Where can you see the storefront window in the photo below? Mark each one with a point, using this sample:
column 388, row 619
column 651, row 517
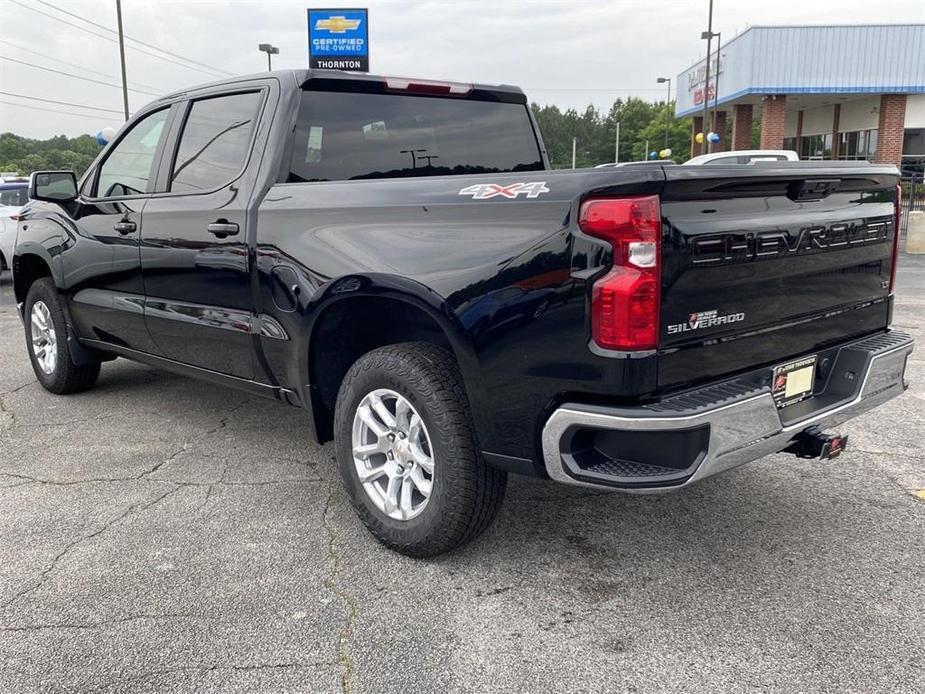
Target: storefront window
column 816, row 146
column 858, row 144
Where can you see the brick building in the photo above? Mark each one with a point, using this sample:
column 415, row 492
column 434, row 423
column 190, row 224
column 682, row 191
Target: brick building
column 828, row 92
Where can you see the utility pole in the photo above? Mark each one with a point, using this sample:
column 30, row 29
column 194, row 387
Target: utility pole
column 708, row 35
column 616, row 146
column 574, row 145
column 662, row 80
column 122, row 57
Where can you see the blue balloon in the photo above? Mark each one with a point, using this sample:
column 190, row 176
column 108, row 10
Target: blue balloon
column 713, row 137
column 653, row 155
column 100, row 138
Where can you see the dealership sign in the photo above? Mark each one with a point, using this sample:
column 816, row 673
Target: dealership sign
column 338, row 40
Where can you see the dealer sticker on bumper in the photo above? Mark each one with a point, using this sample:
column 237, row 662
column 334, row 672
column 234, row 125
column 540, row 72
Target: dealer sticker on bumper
column 794, row 381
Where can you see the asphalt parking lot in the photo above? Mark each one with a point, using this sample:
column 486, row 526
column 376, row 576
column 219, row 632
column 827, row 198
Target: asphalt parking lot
column 159, row 534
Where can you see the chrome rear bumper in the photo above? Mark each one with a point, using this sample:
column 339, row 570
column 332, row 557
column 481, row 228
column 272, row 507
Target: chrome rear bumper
column 738, row 421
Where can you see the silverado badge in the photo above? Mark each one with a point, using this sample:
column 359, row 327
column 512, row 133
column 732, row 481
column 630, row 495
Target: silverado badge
column 705, row 319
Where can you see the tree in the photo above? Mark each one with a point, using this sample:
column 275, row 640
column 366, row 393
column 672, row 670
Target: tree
column 23, row 155
column 596, row 134
column 679, row 135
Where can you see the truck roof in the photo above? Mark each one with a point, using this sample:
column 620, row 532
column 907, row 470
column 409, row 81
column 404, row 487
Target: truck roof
column 303, row 77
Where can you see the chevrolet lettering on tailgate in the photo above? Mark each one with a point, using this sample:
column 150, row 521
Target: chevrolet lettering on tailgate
column 742, row 247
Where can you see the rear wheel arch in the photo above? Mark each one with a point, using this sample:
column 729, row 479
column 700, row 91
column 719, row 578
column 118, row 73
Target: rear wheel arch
column 348, row 327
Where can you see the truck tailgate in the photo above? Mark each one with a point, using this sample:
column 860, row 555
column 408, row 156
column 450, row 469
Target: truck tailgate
column 764, row 263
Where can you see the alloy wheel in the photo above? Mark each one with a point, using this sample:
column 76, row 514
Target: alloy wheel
column 44, row 338
column 392, row 454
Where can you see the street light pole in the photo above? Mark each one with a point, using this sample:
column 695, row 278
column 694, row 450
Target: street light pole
column 719, row 46
column 662, row 80
column 708, row 35
column 122, row 57
column 270, row 50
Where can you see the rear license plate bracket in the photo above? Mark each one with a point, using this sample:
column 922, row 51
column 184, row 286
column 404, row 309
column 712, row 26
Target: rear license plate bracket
column 793, row 381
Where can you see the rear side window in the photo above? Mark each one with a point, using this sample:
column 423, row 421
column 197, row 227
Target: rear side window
column 215, row 142
column 346, row 136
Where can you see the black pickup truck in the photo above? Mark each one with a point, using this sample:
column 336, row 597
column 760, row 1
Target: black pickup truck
column 397, row 258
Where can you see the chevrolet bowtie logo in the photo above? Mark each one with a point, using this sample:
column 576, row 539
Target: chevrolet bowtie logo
column 338, row 25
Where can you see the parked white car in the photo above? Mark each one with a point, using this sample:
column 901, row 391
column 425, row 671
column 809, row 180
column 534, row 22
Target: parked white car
column 12, row 198
column 742, row 156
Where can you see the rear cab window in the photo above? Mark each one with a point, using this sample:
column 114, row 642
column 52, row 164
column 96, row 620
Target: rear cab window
column 343, row 136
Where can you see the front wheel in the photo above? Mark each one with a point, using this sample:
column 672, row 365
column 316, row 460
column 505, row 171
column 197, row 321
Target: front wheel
column 46, row 339
column 407, row 451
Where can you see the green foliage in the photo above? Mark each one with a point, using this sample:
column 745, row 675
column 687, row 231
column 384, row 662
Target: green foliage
column 639, row 121
column 23, row 156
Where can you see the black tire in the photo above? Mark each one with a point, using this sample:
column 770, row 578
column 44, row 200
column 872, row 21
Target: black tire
column 66, row 377
column 466, row 491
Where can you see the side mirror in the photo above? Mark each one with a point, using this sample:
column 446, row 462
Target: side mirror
column 53, row 186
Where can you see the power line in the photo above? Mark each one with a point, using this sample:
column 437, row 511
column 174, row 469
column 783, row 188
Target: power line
column 112, row 40
column 62, row 103
column 79, row 77
column 49, row 110
column 70, row 64
column 129, row 38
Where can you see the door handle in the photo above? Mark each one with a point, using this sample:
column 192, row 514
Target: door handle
column 124, row 227
column 223, row 228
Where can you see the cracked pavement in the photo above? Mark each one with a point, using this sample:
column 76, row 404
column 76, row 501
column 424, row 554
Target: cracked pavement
column 160, row 534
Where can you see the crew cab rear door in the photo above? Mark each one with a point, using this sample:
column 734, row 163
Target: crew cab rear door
column 765, row 262
column 194, row 250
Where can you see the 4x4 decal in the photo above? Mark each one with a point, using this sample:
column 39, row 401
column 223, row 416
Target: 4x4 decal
column 484, row 191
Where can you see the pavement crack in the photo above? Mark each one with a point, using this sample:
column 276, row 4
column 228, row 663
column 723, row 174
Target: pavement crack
column 62, row 555
column 98, row 625
column 18, row 388
column 210, row 486
column 351, row 606
column 222, row 423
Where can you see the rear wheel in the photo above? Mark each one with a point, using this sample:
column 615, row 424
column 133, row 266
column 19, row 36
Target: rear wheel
column 407, row 451
column 46, row 339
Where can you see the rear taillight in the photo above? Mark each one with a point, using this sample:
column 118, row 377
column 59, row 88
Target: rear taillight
column 625, row 301
column 899, row 200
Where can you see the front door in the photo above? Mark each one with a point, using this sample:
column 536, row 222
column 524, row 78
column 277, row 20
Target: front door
column 194, row 252
column 102, row 265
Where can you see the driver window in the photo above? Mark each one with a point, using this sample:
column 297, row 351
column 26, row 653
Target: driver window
column 128, row 168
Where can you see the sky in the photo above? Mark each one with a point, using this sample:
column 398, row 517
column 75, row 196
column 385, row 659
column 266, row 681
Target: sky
column 568, row 53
